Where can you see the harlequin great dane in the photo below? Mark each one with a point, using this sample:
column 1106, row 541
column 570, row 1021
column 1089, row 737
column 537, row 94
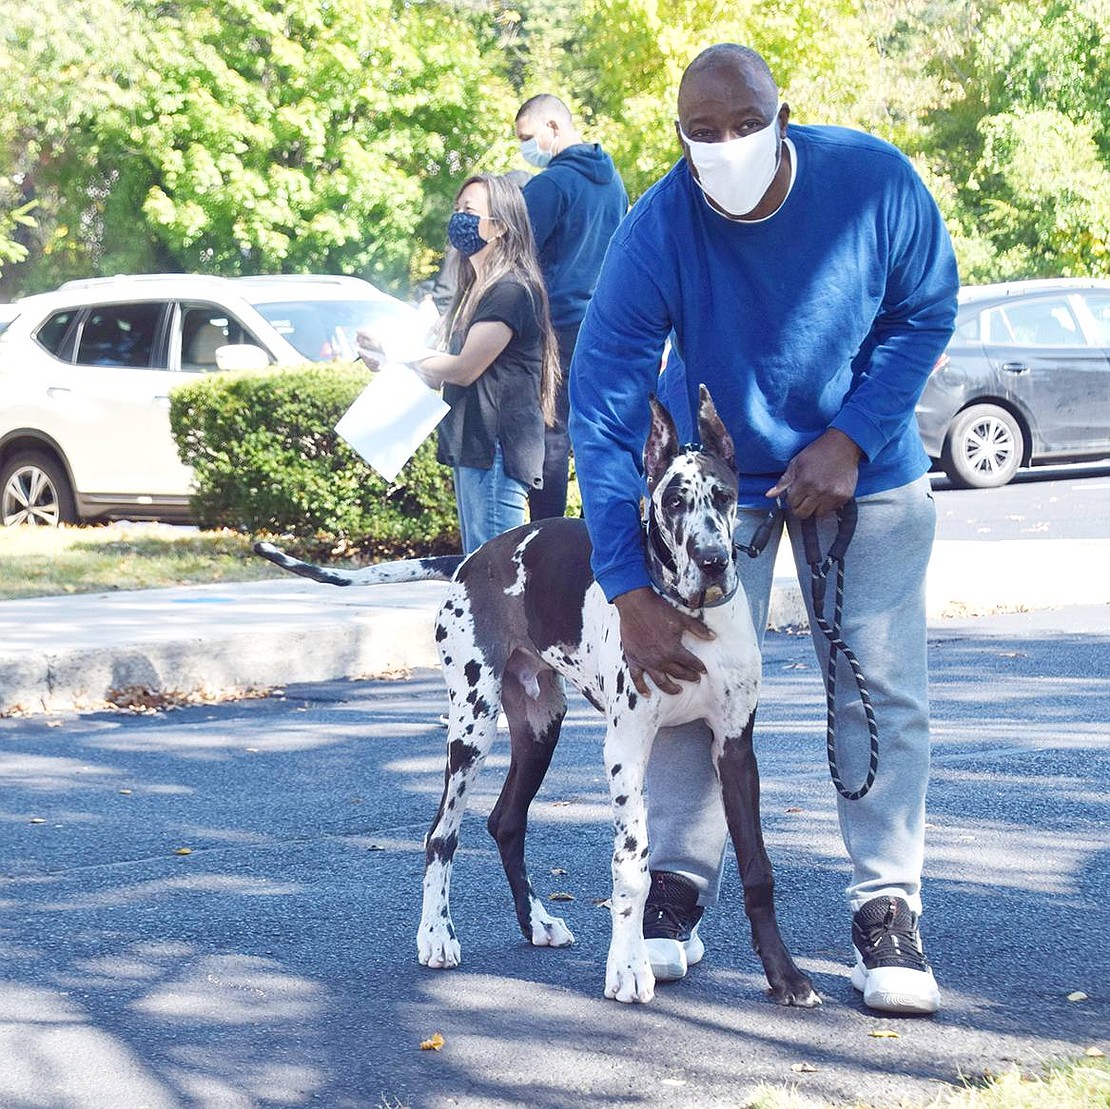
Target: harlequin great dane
column 523, row 613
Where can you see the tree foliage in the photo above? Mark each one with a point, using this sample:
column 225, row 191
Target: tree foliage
column 259, row 136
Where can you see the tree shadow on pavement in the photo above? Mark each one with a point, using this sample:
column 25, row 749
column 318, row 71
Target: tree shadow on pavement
column 274, row 963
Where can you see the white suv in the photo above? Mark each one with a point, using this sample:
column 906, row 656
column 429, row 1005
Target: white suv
column 86, row 372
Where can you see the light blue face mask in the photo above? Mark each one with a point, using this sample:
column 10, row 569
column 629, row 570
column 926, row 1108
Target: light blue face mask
column 530, row 151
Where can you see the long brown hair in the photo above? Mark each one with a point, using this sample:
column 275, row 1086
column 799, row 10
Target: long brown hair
column 512, row 254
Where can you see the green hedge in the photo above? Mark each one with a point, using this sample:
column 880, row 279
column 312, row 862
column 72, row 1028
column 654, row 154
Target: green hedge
column 267, row 460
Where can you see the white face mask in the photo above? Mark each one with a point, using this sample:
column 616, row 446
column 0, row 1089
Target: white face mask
column 736, row 174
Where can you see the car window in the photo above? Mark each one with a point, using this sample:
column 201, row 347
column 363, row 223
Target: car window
column 53, row 333
column 120, row 335
column 1042, row 322
column 968, row 330
column 205, row 328
column 1099, row 307
column 324, row 330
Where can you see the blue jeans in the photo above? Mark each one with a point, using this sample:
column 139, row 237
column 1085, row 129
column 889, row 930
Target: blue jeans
column 489, row 502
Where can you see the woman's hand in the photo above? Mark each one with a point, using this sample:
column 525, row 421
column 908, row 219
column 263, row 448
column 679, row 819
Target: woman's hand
column 369, row 348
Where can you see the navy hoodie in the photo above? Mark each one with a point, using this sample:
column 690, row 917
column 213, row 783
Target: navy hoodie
column 574, row 205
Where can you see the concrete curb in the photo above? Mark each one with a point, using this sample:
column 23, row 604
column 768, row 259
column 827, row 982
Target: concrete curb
column 203, row 642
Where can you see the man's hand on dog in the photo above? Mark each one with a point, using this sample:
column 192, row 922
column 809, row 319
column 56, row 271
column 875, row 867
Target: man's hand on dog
column 651, row 634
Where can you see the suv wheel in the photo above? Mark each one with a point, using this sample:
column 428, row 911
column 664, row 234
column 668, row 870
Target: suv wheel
column 984, row 448
column 34, row 491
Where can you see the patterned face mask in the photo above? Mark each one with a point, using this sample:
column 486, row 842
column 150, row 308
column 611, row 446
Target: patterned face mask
column 462, row 233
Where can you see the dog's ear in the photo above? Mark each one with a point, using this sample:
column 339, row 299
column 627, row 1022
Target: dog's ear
column 662, row 444
column 714, row 436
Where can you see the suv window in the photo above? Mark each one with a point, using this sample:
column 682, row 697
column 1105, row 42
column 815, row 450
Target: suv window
column 52, row 334
column 1099, row 306
column 204, row 327
column 120, row 335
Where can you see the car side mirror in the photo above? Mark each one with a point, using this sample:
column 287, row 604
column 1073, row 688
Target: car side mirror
column 241, row 356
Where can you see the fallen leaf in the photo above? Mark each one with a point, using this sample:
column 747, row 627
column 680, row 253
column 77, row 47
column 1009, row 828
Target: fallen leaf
column 54, row 723
column 559, row 804
column 125, row 792
column 558, row 870
column 795, row 808
column 1077, row 995
column 182, row 850
column 434, row 1042
column 883, row 1034
column 603, row 902
column 37, row 820
column 1094, row 1053
column 560, row 895
column 804, row 1068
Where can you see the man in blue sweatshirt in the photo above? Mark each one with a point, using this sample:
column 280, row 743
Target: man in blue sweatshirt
column 805, row 276
column 574, row 207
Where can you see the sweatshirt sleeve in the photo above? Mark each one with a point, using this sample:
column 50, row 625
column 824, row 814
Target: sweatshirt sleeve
column 614, row 371
column 545, row 202
column 913, row 325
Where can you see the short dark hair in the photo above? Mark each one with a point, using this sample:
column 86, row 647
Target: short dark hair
column 544, row 104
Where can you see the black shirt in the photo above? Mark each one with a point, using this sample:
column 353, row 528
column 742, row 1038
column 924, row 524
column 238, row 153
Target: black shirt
column 503, row 404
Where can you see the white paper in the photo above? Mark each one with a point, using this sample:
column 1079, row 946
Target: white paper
column 391, row 417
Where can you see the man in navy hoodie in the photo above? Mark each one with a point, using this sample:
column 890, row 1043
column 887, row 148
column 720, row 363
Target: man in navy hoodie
column 574, row 207
column 804, row 275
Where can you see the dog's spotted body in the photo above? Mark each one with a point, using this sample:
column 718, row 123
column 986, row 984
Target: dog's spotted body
column 521, row 615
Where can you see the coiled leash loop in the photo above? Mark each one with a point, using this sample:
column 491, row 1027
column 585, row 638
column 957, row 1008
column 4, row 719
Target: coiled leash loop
column 818, row 573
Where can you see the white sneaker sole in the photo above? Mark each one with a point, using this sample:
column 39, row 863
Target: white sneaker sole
column 670, row 959
column 897, row 989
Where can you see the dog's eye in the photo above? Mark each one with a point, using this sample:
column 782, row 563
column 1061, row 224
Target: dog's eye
column 722, row 501
column 673, row 502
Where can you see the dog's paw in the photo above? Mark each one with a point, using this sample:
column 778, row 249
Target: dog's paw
column 798, row 992
column 437, row 946
column 547, row 930
column 629, row 978
column 551, row 932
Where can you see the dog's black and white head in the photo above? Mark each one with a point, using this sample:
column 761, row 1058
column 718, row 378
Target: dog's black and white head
column 692, row 508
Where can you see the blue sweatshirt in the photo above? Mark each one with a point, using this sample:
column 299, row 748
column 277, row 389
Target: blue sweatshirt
column 574, row 207
column 830, row 313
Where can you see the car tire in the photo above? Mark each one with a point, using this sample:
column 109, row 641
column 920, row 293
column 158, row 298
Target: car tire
column 984, row 447
column 34, row 490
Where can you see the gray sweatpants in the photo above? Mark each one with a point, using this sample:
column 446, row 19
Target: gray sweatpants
column 884, row 625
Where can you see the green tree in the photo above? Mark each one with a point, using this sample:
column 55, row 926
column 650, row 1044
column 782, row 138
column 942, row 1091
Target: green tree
column 1022, row 140
column 257, row 136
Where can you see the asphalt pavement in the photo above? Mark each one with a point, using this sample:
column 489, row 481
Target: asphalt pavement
column 216, row 906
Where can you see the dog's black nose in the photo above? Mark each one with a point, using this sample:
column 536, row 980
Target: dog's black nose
column 712, row 562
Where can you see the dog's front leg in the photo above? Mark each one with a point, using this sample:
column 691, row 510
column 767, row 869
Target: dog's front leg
column 628, row 974
column 739, row 777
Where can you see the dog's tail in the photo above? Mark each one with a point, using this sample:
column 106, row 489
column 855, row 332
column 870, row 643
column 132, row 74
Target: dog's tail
column 410, row 569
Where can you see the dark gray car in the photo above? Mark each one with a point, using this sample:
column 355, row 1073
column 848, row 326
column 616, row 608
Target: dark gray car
column 1024, row 380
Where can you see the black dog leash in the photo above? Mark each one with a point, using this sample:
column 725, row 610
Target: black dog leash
column 818, row 574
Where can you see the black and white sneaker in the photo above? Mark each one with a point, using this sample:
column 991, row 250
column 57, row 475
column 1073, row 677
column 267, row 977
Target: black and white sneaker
column 891, row 969
column 671, row 917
